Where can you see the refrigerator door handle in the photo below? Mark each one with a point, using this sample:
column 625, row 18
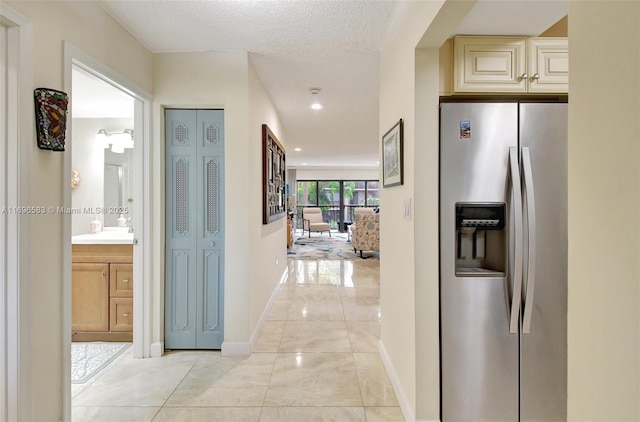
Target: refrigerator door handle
column 531, row 230
column 514, row 172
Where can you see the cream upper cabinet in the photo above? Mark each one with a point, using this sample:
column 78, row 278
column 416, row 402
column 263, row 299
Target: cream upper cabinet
column 510, row 65
column 548, row 64
column 489, row 64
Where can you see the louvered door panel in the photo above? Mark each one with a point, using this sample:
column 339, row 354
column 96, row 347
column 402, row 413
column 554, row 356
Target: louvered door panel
column 194, row 228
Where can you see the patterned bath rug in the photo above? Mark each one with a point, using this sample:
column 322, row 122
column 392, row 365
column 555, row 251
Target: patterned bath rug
column 87, row 359
column 321, row 246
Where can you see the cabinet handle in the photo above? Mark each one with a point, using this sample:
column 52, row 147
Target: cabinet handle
column 126, row 280
column 125, row 315
column 535, row 77
column 212, row 244
column 524, row 76
column 104, row 274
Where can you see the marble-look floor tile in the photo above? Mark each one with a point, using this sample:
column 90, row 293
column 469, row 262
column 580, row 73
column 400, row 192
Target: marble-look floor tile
column 139, row 382
column 110, row 414
column 364, row 335
column 208, row 414
column 314, row 379
column 366, row 292
column 384, row 414
column 279, row 310
column 302, row 310
column 313, row 414
column 225, row 381
column 361, row 309
column 316, row 293
column 374, row 383
column 315, row 336
column 269, row 339
column 286, row 291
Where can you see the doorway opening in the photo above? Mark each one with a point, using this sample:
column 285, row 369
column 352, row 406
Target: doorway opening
column 118, row 214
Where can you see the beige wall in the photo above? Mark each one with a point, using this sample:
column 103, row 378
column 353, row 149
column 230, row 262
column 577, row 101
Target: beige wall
column 90, row 29
column 399, row 288
column 604, row 182
column 268, row 253
column 228, row 81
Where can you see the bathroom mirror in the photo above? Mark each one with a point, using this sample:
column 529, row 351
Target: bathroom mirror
column 118, row 186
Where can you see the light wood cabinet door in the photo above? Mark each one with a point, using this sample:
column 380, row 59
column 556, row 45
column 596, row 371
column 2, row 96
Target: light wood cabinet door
column 90, row 297
column 548, row 65
column 121, row 280
column 490, row 64
column 121, row 318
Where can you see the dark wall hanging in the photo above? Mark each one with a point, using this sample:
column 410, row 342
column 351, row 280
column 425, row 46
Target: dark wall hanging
column 274, row 168
column 51, row 118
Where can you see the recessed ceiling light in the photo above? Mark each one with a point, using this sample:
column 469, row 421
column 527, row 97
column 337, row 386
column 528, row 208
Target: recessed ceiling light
column 297, row 149
column 315, row 92
column 304, row 164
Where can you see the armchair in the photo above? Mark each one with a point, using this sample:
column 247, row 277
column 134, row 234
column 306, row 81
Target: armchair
column 312, row 221
column 356, row 211
column 366, row 234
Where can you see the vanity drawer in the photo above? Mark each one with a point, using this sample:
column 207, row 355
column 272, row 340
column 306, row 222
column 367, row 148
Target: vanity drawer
column 121, row 280
column 121, row 314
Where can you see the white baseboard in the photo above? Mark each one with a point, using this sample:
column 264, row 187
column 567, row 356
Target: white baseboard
column 157, row 349
column 236, row 348
column 244, row 348
column 403, row 400
column 267, row 309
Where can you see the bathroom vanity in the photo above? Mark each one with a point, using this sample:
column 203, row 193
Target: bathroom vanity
column 102, row 287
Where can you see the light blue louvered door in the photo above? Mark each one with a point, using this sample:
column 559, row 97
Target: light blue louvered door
column 194, row 231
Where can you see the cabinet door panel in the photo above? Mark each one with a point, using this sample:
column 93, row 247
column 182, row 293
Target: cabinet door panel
column 90, row 297
column 489, row 64
column 549, row 60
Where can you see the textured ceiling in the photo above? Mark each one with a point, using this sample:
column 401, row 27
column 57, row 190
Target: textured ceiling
column 296, row 45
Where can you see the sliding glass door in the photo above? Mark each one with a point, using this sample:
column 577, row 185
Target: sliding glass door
column 337, row 199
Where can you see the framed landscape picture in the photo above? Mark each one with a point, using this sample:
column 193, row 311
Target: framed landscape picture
column 392, row 156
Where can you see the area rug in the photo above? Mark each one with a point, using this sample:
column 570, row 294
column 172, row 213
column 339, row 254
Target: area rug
column 321, row 246
column 87, row 359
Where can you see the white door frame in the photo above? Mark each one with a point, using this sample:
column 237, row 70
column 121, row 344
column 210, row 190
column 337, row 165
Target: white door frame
column 142, row 216
column 16, row 114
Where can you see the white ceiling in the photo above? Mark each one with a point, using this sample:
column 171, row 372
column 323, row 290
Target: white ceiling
column 296, row 45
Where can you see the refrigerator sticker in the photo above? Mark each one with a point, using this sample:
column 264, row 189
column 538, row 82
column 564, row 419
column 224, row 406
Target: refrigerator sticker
column 465, row 129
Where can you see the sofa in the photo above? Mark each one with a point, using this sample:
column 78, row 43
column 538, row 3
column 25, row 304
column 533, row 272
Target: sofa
column 365, row 235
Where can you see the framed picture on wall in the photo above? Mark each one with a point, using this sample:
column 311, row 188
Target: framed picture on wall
column 392, row 156
column 273, row 180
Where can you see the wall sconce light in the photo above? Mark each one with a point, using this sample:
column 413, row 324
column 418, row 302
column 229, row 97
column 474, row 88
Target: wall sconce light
column 117, row 140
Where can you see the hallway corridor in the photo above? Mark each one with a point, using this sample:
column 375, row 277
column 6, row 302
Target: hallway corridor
column 316, row 360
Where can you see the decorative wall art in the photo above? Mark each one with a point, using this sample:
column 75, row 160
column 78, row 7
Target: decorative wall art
column 392, row 156
column 51, row 118
column 274, row 204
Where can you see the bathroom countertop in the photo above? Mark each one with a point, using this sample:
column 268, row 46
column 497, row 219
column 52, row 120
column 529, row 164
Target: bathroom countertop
column 106, row 237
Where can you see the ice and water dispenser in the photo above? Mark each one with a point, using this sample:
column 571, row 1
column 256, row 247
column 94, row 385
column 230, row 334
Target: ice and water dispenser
column 481, row 244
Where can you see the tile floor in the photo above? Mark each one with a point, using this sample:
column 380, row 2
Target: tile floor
column 316, row 360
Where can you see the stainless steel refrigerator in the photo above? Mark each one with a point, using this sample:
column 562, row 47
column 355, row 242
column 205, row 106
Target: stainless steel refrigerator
column 503, row 261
